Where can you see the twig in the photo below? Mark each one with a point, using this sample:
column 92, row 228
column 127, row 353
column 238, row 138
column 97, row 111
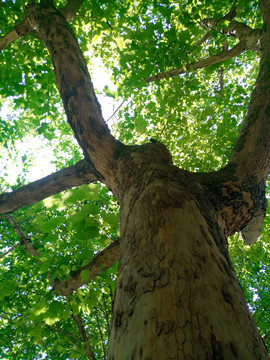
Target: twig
column 88, row 349
column 10, row 250
column 101, row 334
column 118, row 108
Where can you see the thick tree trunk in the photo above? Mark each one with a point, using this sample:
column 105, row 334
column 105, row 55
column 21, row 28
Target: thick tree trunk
column 177, row 295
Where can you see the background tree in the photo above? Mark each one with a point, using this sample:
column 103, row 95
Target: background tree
column 184, row 73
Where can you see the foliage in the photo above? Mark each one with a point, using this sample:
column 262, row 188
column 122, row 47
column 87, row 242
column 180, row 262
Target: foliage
column 196, row 117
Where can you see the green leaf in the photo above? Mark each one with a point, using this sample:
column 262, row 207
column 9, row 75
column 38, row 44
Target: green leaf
column 85, row 274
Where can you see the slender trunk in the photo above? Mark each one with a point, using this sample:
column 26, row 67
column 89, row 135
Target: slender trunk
column 177, row 295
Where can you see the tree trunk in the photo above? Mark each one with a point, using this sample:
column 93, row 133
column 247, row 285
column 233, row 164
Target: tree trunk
column 177, row 295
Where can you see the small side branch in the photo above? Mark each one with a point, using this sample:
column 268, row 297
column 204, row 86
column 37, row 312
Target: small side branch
column 212, row 60
column 10, row 250
column 88, row 349
column 76, row 175
column 101, row 262
column 18, row 31
column 25, row 240
column 66, row 333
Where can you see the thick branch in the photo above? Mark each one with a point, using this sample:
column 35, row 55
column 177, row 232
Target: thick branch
column 89, row 352
column 212, row 60
column 101, row 262
column 265, row 10
column 75, row 87
column 251, row 154
column 76, row 175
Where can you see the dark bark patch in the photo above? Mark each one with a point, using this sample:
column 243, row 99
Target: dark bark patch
column 164, row 327
column 118, row 319
column 216, row 348
column 226, row 295
column 234, row 349
column 130, row 287
column 164, row 279
column 267, row 111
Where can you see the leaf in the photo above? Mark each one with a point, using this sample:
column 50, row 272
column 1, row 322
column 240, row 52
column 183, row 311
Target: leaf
column 56, row 308
column 85, row 274
column 141, row 124
column 40, row 308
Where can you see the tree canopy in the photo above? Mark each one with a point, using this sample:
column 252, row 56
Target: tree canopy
column 183, row 73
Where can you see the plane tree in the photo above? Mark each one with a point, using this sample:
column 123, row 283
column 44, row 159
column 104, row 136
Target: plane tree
column 184, row 164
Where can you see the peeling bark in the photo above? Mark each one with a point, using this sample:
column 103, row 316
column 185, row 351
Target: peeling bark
column 177, row 295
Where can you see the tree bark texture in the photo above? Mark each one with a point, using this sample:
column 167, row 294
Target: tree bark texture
column 177, row 295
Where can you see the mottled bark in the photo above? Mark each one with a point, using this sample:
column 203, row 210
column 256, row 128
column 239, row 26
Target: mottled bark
column 177, row 295
column 73, row 80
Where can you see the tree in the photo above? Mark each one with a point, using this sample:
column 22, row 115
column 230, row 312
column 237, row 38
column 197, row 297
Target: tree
column 177, row 295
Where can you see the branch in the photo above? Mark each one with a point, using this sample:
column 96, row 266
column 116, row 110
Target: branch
column 101, row 334
column 251, row 154
column 76, row 90
column 88, row 349
column 68, row 334
column 25, row 240
column 250, row 159
column 265, row 10
column 212, row 60
column 266, row 337
column 10, row 250
column 75, row 175
column 69, row 12
column 101, row 262
column 214, row 23
column 70, row 9
column 249, row 39
column 19, row 30
column 26, row 243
